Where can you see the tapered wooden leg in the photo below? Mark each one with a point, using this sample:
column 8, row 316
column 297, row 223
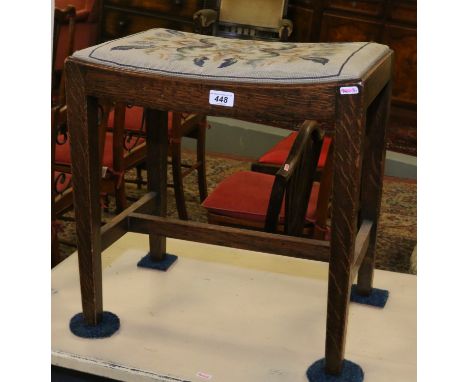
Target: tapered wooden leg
column 156, row 159
column 86, row 174
column 350, row 130
column 372, row 181
column 201, row 169
column 176, row 155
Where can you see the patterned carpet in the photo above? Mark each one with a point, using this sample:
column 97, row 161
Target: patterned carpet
column 395, row 242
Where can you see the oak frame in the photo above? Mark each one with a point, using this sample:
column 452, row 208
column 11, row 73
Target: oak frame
column 359, row 156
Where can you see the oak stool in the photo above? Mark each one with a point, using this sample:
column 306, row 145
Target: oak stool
column 166, row 70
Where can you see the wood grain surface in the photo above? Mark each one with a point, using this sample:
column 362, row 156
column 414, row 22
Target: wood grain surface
column 86, row 174
column 349, row 140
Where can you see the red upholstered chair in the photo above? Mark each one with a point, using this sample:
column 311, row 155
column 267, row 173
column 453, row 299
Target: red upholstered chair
column 74, row 28
column 125, row 148
column 61, row 196
column 179, row 125
column 272, row 160
column 86, row 28
column 289, row 201
column 85, row 33
column 115, row 160
column 64, row 20
column 60, row 188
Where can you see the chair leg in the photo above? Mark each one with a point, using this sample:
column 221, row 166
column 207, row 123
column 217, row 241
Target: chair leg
column 176, row 153
column 323, row 203
column 118, row 156
column 104, row 198
column 55, row 246
column 139, row 177
column 201, row 169
column 120, row 197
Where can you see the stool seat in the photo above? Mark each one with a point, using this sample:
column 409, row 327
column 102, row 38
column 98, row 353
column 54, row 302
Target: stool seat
column 181, row 54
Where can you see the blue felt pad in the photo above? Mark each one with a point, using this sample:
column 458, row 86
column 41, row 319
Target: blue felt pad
column 109, row 324
column 377, row 297
column 161, row 265
column 350, row 372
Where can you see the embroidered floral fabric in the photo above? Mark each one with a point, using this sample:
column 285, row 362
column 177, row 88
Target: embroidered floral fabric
column 175, row 53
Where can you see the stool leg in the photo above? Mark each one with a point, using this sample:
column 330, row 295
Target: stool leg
column 372, row 181
column 156, row 160
column 201, row 169
column 176, row 155
column 83, row 124
column 347, row 158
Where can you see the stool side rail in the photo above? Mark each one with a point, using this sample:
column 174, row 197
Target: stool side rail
column 135, row 219
column 290, row 246
column 361, row 245
column 118, row 226
column 253, row 101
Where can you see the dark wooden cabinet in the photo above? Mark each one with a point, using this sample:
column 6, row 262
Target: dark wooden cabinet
column 337, row 27
column 124, row 17
column 403, row 41
column 390, row 22
column 368, row 8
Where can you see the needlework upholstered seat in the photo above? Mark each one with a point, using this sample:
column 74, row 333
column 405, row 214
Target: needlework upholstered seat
column 182, row 54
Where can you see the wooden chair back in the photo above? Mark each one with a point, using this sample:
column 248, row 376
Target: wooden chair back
column 250, row 19
column 62, row 17
column 258, row 13
column 294, row 180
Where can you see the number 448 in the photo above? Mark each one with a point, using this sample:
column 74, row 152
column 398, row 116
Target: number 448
column 221, row 99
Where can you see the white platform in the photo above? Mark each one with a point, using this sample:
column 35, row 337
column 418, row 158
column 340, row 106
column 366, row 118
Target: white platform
column 223, row 314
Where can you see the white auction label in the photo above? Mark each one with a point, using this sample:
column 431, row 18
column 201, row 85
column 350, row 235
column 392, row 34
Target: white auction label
column 217, row 97
column 349, row 90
